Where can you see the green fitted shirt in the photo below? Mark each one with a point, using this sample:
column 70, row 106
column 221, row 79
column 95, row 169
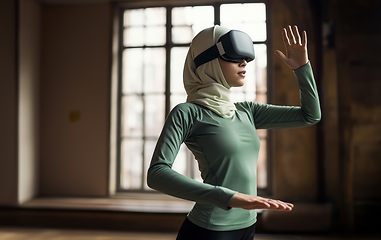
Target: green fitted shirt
column 226, row 150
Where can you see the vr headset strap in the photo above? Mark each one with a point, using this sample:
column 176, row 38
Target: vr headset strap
column 209, row 54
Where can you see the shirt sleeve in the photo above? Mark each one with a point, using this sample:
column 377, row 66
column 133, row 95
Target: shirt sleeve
column 163, row 178
column 308, row 113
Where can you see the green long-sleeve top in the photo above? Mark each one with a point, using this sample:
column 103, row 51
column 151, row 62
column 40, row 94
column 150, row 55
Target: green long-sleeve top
column 226, row 150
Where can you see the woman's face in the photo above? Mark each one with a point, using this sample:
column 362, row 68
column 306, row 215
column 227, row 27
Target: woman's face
column 234, row 73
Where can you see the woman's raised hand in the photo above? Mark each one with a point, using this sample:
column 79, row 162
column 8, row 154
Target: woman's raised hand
column 240, row 200
column 296, row 48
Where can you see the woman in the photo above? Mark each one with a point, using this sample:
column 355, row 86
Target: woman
column 222, row 135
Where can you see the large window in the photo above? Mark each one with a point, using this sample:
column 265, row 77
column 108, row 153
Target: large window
column 153, row 45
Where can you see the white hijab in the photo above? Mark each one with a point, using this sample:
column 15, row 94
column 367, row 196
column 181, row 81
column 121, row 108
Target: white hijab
column 207, row 85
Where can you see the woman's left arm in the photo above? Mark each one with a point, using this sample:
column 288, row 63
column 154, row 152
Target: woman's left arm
column 308, row 113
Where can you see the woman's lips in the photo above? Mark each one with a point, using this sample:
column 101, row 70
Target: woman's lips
column 242, row 73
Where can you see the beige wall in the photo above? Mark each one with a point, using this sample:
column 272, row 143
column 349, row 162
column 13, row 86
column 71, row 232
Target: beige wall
column 42, row 151
column 358, row 38
column 75, row 70
column 8, row 103
column 29, row 104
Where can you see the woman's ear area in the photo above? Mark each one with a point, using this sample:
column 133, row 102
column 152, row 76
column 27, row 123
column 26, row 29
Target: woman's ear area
column 224, row 69
column 221, row 64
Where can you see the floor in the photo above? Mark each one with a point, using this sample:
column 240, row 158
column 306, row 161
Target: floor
column 12, row 233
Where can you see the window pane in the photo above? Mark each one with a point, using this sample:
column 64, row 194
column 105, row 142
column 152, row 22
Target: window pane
column 144, row 27
column 262, row 165
column 144, row 36
column 250, row 82
column 203, row 15
column 144, row 67
column 145, row 17
column 199, row 15
column 182, row 34
column 177, row 98
column 261, row 68
column 148, row 151
column 257, row 31
column 132, row 116
column 133, row 36
column 132, row 79
column 154, row 36
column 261, row 98
column 134, row 17
column 155, row 16
column 154, row 70
column 178, row 55
column 180, row 164
column 178, row 94
column 237, row 95
column 154, row 114
column 248, row 12
column 187, row 22
column 195, row 169
column 251, row 19
column 131, row 164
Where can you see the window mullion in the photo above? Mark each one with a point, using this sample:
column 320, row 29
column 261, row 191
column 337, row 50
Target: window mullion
column 168, row 47
column 119, row 103
column 217, row 13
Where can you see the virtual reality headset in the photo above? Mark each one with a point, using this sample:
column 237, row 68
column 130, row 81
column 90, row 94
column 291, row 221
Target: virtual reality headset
column 234, row 46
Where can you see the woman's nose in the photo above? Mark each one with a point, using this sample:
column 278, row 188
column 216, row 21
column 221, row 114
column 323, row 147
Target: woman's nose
column 243, row 62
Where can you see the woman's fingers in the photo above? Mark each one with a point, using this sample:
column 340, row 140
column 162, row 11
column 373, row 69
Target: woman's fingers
column 304, row 39
column 255, row 202
column 298, row 39
column 285, row 206
column 277, row 204
column 292, row 36
column 286, row 40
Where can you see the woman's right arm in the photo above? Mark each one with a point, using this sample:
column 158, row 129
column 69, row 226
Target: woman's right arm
column 163, row 178
column 240, row 200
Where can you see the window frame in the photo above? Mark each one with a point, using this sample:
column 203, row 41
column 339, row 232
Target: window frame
column 116, row 72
